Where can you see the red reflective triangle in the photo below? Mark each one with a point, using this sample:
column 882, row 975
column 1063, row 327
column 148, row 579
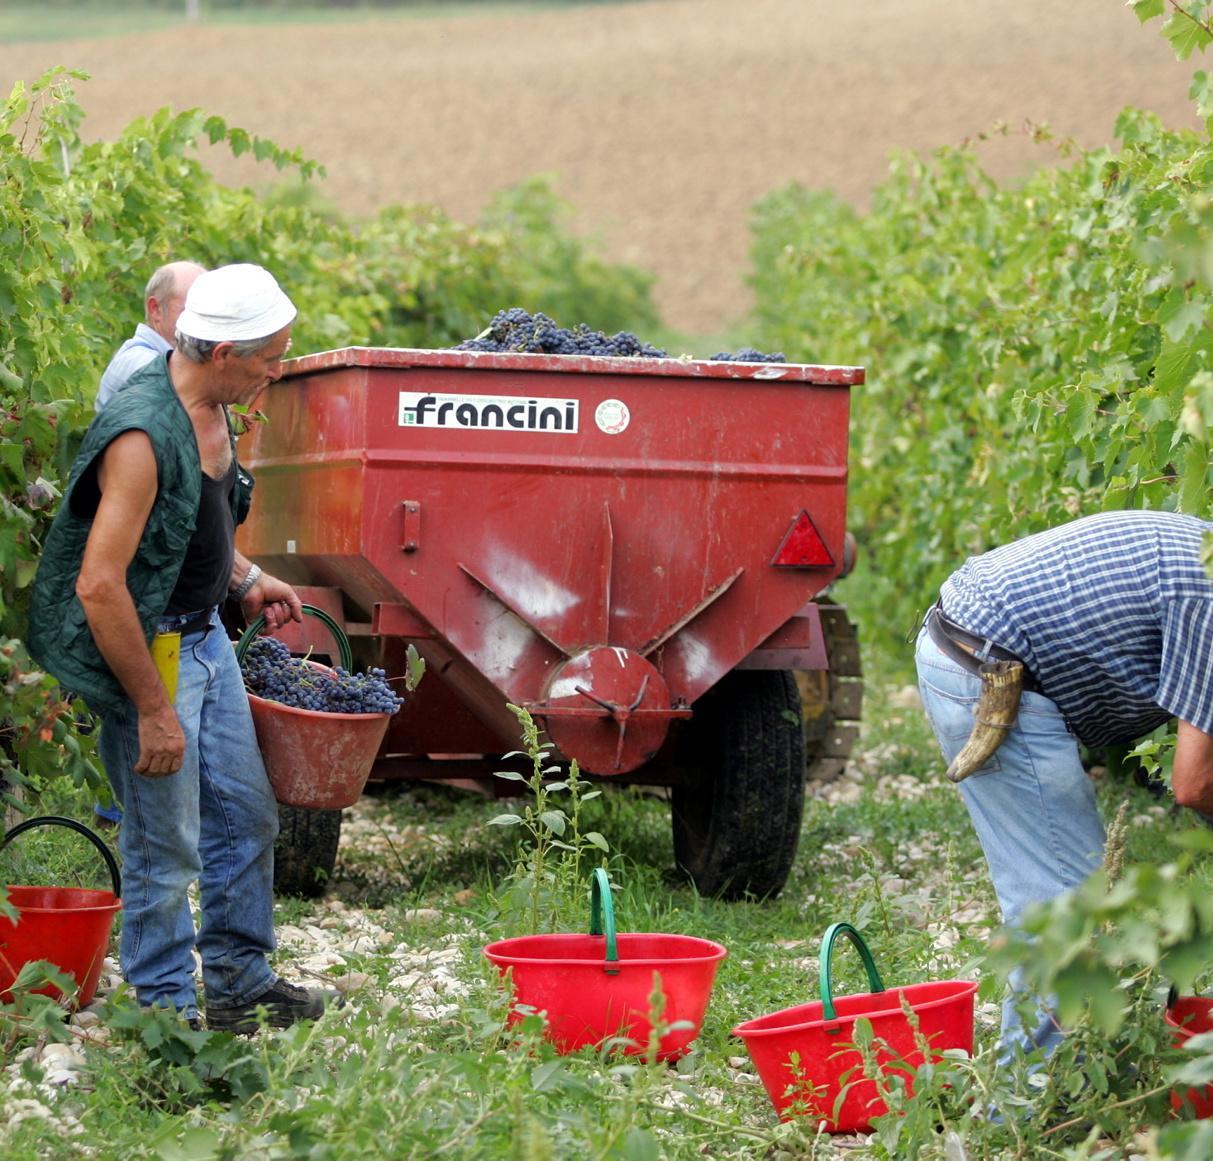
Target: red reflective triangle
column 803, row 547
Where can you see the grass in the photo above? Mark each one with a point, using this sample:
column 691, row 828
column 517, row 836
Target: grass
column 418, row 1065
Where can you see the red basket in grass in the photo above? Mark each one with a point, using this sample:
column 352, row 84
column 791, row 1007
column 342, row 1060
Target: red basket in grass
column 595, row 988
column 806, row 1055
column 67, row 926
column 1190, row 1016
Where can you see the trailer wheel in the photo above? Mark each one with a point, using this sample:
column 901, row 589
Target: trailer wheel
column 736, row 826
column 306, row 850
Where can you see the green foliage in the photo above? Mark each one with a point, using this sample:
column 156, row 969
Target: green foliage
column 1034, row 353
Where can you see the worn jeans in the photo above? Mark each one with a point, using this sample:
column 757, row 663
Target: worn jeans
column 1032, row 805
column 214, row 821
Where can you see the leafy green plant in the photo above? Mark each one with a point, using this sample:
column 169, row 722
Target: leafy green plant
column 549, row 878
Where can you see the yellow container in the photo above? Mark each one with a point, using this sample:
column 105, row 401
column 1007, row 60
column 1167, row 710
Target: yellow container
column 166, row 653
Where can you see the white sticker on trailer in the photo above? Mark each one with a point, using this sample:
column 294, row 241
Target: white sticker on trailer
column 488, row 412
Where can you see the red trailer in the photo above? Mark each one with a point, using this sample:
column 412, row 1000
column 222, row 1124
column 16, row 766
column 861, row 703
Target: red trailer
column 630, row 548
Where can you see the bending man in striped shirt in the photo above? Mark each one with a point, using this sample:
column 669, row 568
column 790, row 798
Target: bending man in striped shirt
column 1112, row 618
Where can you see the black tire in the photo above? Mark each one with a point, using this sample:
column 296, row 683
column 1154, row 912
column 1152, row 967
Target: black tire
column 737, row 823
column 306, row 850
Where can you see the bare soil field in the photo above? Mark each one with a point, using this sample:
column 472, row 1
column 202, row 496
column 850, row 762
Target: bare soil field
column 662, row 120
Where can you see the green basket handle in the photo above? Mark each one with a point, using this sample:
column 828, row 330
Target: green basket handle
column 875, row 984
column 602, row 913
column 343, row 642
column 79, row 827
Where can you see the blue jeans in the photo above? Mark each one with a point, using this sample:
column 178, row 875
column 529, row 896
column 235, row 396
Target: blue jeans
column 1032, row 805
column 213, row 821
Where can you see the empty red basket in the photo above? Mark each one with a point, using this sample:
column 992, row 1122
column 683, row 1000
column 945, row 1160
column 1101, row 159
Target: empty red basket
column 806, row 1058
column 67, row 926
column 595, row 988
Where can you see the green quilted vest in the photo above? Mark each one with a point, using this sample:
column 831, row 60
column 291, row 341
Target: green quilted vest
column 59, row 637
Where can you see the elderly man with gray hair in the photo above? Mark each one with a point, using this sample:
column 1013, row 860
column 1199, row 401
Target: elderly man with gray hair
column 163, row 301
column 125, row 613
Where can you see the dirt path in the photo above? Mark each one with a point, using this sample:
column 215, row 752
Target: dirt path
column 664, row 120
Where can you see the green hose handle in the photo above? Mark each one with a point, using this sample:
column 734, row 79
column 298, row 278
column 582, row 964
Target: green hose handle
column 343, row 642
column 602, row 913
column 875, row 984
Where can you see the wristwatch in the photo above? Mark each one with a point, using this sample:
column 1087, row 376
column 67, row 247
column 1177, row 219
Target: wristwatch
column 250, row 578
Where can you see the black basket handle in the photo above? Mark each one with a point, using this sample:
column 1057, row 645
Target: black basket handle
column 343, row 642
column 80, row 828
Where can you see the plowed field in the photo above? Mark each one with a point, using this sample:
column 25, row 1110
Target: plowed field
column 663, row 120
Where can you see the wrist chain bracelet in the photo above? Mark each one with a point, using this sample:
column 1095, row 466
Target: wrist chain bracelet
column 250, row 578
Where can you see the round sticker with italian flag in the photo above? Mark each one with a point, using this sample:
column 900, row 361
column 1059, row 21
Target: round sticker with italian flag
column 612, row 416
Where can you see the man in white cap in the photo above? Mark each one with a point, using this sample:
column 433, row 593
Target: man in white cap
column 163, row 301
column 125, row 615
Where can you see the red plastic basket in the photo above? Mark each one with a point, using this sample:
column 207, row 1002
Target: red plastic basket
column 595, row 988
column 1190, row 1016
column 67, row 926
column 315, row 759
column 806, row 1056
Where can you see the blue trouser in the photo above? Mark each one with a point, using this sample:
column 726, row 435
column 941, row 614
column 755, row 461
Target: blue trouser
column 213, row 821
column 1032, row 805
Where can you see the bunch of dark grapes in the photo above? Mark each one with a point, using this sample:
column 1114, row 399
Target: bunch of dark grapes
column 748, row 355
column 519, row 331
column 272, row 673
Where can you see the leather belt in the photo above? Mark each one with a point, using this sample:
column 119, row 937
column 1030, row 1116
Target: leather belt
column 962, row 647
column 195, row 624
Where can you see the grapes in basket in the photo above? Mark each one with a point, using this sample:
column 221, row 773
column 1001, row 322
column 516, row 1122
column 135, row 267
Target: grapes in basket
column 271, row 672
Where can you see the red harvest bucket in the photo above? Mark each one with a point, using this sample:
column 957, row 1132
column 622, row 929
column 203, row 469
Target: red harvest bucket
column 313, row 758
column 806, row 1058
column 67, row 926
column 594, row 988
column 1190, row 1016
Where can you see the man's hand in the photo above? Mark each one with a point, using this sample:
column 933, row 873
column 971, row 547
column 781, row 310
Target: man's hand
column 273, row 599
column 161, row 743
column 1192, row 769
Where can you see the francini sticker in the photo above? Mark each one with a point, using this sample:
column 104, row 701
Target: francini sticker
column 492, row 412
column 612, row 416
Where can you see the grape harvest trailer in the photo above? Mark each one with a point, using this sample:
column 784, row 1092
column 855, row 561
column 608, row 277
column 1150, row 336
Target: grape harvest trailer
column 634, row 549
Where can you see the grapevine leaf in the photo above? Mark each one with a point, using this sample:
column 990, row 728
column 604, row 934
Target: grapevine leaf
column 1175, row 366
column 1147, row 9
column 1186, row 33
column 1195, row 480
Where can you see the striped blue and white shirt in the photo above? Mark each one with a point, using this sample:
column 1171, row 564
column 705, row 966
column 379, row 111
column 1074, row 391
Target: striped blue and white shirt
column 135, row 354
column 1113, row 613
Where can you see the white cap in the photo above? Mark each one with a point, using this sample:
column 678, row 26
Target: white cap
column 235, row 304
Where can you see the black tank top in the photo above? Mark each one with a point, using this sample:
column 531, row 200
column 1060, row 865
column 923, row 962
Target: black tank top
column 207, row 569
